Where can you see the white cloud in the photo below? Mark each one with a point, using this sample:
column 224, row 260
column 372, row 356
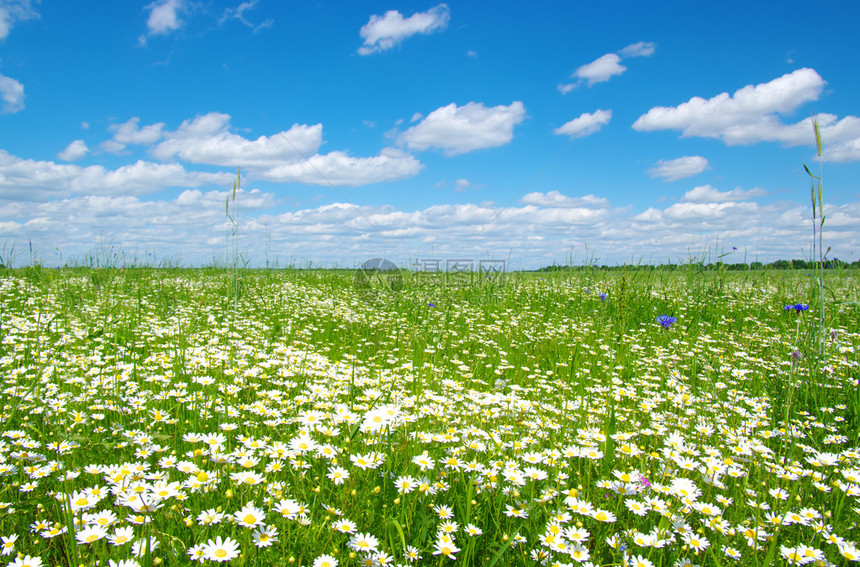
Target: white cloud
column 457, row 130
column 130, row 133
column 12, row 94
column 841, row 138
column 112, row 146
column 639, row 49
column 207, row 139
column 750, row 115
column 846, row 151
column 461, row 185
column 709, row 194
column 290, row 156
column 144, row 177
column 601, row 69
column 12, row 12
column 736, row 118
column 565, row 88
column 163, row 18
column 339, row 169
column 557, row 199
column 585, row 124
column 715, row 212
column 381, row 33
column 32, row 180
column 606, row 66
column 238, row 13
column 74, row 151
column 544, row 228
column 675, row 169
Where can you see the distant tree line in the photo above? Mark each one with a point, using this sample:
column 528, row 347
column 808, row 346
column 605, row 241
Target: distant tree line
column 741, row 266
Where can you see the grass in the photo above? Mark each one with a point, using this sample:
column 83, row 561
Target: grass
column 542, row 419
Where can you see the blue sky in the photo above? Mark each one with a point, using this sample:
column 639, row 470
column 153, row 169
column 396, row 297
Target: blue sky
column 536, row 132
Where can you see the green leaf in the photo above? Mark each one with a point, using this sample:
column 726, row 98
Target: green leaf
column 812, row 175
column 500, row 552
column 399, row 531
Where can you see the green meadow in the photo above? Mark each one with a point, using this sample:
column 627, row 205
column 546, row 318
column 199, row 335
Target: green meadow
column 331, row 417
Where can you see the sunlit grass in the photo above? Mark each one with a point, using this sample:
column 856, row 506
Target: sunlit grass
column 169, row 416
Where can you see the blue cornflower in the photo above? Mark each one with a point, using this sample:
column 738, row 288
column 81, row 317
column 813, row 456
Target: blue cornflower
column 431, row 305
column 797, row 307
column 666, row 320
column 602, row 297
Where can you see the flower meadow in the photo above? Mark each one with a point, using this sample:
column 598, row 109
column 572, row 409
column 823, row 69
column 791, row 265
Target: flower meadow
column 291, row 417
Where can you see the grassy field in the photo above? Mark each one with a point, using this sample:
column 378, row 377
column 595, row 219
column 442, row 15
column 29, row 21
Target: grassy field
column 318, row 418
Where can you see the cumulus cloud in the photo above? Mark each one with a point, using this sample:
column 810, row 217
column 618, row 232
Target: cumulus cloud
column 721, row 213
column 606, row 66
column 130, row 132
column 544, row 228
column 585, row 124
column 290, row 156
column 738, row 118
column 12, row 12
column 461, row 185
column 842, row 137
column 207, row 139
column 639, row 49
column 164, row 18
column 12, row 94
column 557, row 199
column 848, row 150
column 35, row 180
column 381, row 33
column 751, row 115
column 74, row 151
column 339, row 169
column 709, row 194
column 601, row 69
column 460, row 129
column 565, row 88
column 680, row 168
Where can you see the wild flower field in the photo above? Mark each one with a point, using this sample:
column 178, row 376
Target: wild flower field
column 304, row 417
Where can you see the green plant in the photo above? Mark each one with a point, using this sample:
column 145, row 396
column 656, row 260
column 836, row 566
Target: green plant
column 818, row 252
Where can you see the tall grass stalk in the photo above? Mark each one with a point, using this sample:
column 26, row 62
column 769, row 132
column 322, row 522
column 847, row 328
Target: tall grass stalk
column 231, row 209
column 818, row 218
column 7, row 255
